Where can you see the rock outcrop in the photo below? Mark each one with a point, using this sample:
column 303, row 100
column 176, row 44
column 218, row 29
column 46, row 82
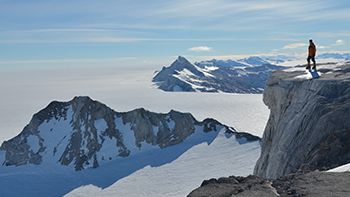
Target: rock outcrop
column 309, row 125
column 320, row 184
column 84, row 133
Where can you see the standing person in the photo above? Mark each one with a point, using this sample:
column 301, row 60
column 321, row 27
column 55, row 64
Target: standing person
column 311, row 55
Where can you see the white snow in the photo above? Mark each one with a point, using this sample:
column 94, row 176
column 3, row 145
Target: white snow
column 128, row 134
column 203, row 71
column 101, row 126
column 109, row 148
column 223, row 157
column 210, row 68
column 33, row 142
column 56, row 135
column 343, row 168
column 307, row 75
column 241, row 72
column 191, row 81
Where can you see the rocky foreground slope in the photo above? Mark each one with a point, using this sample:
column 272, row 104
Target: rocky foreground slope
column 317, row 184
column 308, row 130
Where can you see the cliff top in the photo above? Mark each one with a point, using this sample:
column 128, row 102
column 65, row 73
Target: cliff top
column 327, row 71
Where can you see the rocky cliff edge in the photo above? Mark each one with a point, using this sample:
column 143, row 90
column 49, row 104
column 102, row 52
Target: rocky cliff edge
column 309, row 125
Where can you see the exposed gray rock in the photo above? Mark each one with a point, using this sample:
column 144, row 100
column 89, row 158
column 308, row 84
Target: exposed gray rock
column 313, row 184
column 83, row 133
column 247, row 76
column 316, row 184
column 235, row 186
column 309, row 125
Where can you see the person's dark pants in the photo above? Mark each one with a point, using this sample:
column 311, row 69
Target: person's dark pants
column 308, row 62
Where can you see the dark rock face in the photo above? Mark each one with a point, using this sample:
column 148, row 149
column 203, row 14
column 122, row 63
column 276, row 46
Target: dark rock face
column 309, row 125
column 82, row 133
column 227, row 76
column 320, row 184
column 315, row 183
column 235, row 186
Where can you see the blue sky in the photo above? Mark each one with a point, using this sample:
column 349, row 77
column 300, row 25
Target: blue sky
column 47, row 31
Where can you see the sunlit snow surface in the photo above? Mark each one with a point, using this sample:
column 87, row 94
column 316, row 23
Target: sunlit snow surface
column 25, row 92
column 173, row 171
column 343, row 168
column 222, row 157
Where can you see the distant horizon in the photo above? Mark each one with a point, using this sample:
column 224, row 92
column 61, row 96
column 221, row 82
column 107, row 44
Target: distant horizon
column 134, row 62
column 156, row 32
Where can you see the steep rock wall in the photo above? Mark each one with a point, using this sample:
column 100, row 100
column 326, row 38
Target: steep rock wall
column 309, row 123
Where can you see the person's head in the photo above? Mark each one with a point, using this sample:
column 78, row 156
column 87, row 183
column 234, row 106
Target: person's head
column 310, row 41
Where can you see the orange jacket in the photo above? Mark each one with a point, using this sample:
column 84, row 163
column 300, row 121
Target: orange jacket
column 312, row 50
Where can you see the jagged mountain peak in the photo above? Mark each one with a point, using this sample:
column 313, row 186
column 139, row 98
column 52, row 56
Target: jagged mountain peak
column 182, row 59
column 181, row 63
column 246, row 76
column 84, row 133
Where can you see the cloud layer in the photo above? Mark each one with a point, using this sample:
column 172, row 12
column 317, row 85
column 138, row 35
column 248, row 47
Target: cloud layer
column 200, row 49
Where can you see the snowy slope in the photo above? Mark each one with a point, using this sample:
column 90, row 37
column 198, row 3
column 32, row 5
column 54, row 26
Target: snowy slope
column 223, row 157
column 343, row 168
column 167, row 172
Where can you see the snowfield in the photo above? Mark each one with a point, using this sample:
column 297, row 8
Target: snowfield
column 25, row 92
column 223, row 157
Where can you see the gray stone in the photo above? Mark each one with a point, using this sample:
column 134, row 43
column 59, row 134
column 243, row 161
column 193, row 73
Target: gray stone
column 235, row 186
column 313, row 184
column 309, row 125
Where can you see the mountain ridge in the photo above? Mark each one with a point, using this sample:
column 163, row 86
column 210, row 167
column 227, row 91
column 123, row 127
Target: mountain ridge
column 215, row 75
column 84, row 133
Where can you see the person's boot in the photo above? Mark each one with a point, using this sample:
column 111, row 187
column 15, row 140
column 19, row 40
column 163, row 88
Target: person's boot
column 308, row 67
column 314, row 67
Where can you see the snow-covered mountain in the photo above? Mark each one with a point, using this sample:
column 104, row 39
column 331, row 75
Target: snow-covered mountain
column 254, row 61
column 242, row 76
column 81, row 142
column 245, row 75
column 345, row 56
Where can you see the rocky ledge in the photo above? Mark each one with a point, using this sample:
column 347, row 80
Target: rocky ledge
column 320, row 184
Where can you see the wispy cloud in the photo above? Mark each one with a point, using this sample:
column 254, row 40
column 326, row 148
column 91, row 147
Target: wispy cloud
column 294, row 46
column 104, row 36
column 323, row 47
column 61, row 61
column 339, row 42
column 200, row 49
column 172, row 26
